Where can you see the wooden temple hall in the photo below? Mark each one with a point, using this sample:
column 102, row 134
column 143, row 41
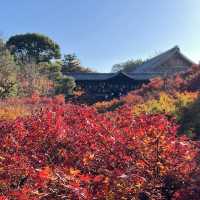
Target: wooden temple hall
column 102, row 86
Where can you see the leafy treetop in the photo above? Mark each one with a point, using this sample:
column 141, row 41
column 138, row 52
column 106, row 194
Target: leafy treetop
column 71, row 63
column 33, row 47
column 127, row 66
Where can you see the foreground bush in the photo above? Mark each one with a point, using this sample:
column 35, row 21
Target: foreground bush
column 71, row 152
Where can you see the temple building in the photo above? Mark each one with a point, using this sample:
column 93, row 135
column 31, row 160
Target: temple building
column 104, row 86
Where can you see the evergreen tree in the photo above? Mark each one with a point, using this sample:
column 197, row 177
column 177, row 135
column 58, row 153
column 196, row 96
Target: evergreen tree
column 8, row 86
column 31, row 47
column 72, row 64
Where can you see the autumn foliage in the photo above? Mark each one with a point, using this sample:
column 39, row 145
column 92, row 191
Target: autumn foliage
column 106, row 106
column 168, row 104
column 13, row 108
column 185, row 82
column 72, row 152
column 52, row 150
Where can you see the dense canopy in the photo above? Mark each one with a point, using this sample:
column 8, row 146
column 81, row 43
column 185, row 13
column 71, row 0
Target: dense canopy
column 33, row 47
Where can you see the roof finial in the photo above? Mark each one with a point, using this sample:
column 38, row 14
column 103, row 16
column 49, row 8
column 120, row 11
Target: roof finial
column 177, row 48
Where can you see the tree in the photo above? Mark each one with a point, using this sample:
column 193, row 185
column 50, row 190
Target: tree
column 51, row 70
column 127, row 66
column 65, row 86
column 32, row 79
column 7, row 73
column 33, row 46
column 72, row 64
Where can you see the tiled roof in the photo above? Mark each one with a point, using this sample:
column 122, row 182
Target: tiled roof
column 149, row 65
column 91, row 76
column 106, row 76
column 145, row 71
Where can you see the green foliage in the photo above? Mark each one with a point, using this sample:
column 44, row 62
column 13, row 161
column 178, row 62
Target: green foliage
column 33, row 47
column 55, row 70
column 7, row 73
column 127, row 66
column 72, row 64
column 65, row 85
column 51, row 70
column 190, row 120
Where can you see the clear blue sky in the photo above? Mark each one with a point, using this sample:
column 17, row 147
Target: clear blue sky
column 105, row 32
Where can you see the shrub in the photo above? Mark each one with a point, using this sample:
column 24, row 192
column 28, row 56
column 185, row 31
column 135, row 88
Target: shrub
column 167, row 104
column 12, row 112
column 107, row 106
column 13, row 108
column 190, row 120
column 71, row 152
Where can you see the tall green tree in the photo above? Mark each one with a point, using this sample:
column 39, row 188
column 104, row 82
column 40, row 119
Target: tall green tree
column 71, row 63
column 8, row 68
column 127, row 66
column 51, row 70
column 65, row 85
column 33, row 47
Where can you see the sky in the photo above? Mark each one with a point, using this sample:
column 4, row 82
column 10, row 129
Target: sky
column 105, row 32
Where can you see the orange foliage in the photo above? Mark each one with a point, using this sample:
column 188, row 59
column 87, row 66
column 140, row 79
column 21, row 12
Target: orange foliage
column 105, row 106
column 12, row 112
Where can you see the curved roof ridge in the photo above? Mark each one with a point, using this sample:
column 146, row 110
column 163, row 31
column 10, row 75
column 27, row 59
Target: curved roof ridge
column 157, row 60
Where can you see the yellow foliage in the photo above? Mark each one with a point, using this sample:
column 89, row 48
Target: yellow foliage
column 9, row 112
column 166, row 104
